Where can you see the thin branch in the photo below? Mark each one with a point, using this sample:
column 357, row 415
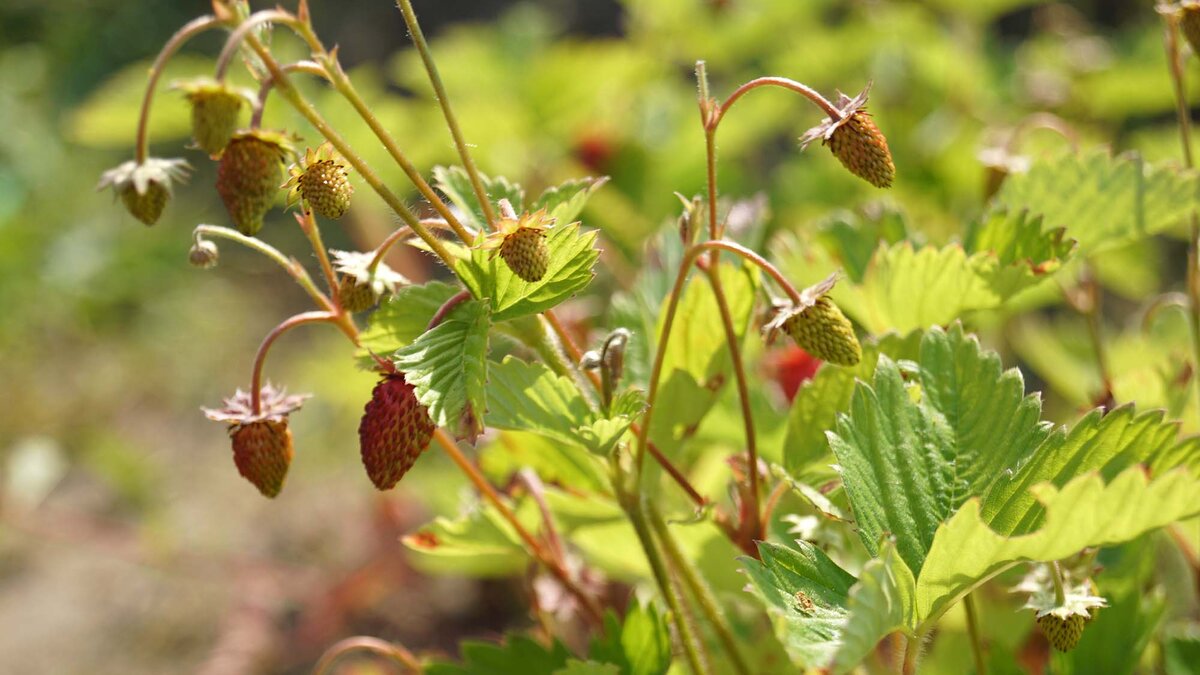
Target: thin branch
column 181, row 36
column 260, row 357
column 393, row 652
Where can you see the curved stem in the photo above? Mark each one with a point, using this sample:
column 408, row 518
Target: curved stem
column 264, row 89
column 187, row 32
column 401, row 232
column 396, row 653
column 973, row 632
column 535, row 548
column 261, row 357
column 802, row 89
column 238, row 36
column 751, row 518
column 685, row 265
column 699, row 589
column 443, row 99
column 288, row 90
column 1060, row 593
column 289, row 265
column 447, row 307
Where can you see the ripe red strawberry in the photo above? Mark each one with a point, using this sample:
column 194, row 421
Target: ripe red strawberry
column 856, row 141
column 394, row 431
column 262, row 442
column 322, row 181
column 263, row 452
column 792, row 367
column 249, row 175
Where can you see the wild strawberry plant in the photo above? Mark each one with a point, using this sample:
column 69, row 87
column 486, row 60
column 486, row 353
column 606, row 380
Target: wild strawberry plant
column 911, row 470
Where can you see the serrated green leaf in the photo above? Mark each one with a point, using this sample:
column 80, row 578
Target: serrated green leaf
column 530, row 397
column 640, row 644
column 1107, row 443
column 907, row 466
column 517, row 654
column 1103, row 201
column 513, row 450
column 817, row 403
column 479, row 544
column 454, row 182
column 572, row 256
column 404, row 316
column 854, row 239
column 696, row 364
column 565, row 202
column 447, row 367
column 881, row 602
column 1085, row 512
column 806, row 595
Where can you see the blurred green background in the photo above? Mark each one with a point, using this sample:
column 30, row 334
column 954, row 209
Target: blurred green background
column 128, row 544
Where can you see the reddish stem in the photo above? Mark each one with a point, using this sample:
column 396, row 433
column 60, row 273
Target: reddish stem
column 401, row 656
column 447, row 307
column 187, row 32
column 261, row 357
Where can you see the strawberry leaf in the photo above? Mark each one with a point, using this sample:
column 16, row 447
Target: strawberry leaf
column 404, row 316
column 639, row 645
column 1103, row 201
column 448, row 368
column 454, row 182
column 572, row 256
column 565, row 202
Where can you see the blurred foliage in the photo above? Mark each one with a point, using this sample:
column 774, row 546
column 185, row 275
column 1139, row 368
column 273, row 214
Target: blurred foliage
column 111, row 342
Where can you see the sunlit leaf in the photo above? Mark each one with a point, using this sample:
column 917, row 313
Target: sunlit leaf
column 565, row 202
column 454, row 182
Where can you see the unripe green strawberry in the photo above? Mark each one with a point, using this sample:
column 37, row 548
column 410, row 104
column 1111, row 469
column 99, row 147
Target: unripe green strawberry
column 526, row 254
column 356, row 296
column 215, row 110
column 394, row 431
column 1062, row 634
column 145, row 187
column 147, row 206
column 1189, row 23
column 262, row 442
column 263, row 452
column 321, row 180
column 823, row 331
column 249, row 175
column 856, row 141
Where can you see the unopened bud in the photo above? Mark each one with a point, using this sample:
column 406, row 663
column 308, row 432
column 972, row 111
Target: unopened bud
column 203, row 254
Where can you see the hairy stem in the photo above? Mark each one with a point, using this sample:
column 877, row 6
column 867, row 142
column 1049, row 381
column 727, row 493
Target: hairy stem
column 792, row 85
column 973, row 631
column 265, row 87
column 260, row 358
column 386, row 245
column 393, row 652
column 751, row 517
column 181, row 36
column 289, row 265
column 1183, row 115
column 912, row 651
column 536, row 549
column 699, row 589
column 447, row 307
column 288, row 90
column 443, row 99
column 687, row 637
column 308, row 224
